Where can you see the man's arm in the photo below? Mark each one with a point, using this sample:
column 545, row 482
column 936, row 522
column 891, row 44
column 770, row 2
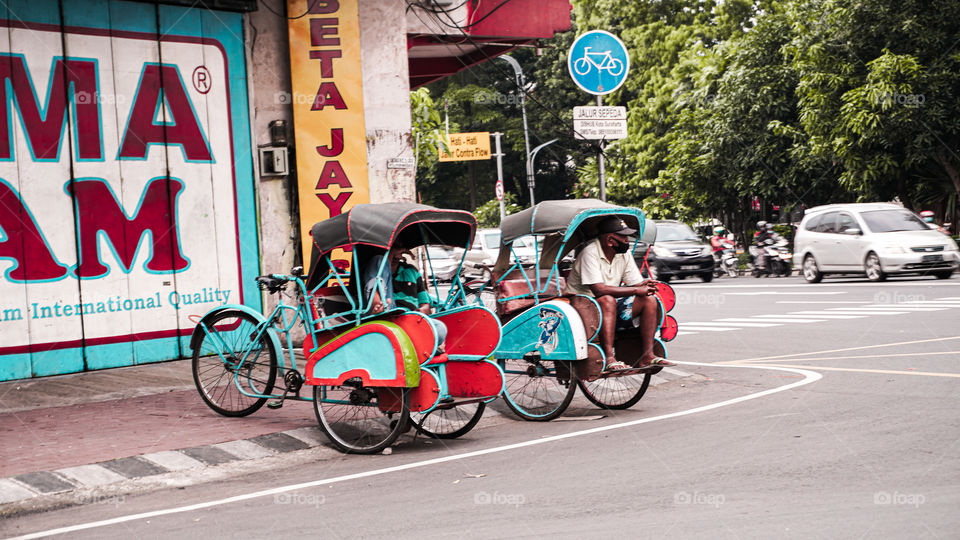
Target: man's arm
column 646, row 288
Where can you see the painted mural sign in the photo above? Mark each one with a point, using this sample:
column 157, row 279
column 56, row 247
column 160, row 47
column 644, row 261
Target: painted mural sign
column 118, row 189
column 327, row 110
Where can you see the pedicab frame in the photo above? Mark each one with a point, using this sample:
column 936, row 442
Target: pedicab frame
column 369, row 372
column 550, row 340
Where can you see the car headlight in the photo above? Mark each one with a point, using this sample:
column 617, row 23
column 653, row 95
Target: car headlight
column 893, row 249
column 661, row 251
column 951, row 245
column 707, row 250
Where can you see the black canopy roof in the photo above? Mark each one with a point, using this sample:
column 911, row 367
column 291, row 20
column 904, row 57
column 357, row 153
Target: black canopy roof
column 555, row 216
column 378, row 225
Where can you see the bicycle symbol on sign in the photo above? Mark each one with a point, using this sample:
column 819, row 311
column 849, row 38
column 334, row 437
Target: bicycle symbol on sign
column 606, row 62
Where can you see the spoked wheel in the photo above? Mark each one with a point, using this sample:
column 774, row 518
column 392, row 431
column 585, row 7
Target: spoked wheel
column 234, row 364
column 873, row 269
column 351, row 416
column 616, row 392
column 536, row 389
column 449, row 423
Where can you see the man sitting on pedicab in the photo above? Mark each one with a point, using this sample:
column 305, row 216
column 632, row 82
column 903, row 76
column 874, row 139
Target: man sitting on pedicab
column 605, row 270
column 398, row 284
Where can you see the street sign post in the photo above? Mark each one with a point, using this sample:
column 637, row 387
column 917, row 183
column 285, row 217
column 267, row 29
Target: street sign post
column 608, row 123
column 598, row 62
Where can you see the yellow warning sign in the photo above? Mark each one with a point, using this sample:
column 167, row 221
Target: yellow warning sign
column 467, row 147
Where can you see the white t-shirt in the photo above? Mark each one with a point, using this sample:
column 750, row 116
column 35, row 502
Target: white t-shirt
column 592, row 267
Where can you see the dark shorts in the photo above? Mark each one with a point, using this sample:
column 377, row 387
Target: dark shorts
column 625, row 318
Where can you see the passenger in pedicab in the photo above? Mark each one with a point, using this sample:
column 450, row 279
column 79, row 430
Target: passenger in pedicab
column 606, row 270
column 398, row 285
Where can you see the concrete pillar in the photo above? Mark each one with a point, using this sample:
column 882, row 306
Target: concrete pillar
column 386, row 98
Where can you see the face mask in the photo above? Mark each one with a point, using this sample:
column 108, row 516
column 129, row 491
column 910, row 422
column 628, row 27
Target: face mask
column 621, row 247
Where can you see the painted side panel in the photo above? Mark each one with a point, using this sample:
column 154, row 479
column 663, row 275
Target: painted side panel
column 553, row 328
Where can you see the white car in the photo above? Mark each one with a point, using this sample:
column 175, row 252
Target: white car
column 876, row 239
column 486, row 248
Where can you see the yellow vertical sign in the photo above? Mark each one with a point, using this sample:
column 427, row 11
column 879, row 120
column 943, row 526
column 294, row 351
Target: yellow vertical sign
column 327, row 101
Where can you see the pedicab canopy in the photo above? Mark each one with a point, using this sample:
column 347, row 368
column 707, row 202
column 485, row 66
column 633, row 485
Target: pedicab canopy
column 382, row 225
column 574, row 221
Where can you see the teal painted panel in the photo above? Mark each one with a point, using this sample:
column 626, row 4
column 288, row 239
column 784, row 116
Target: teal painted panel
column 540, row 328
column 57, row 361
column 109, row 356
column 372, row 353
column 15, row 366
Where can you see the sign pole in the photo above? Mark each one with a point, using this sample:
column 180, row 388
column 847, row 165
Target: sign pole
column 603, row 181
column 499, row 156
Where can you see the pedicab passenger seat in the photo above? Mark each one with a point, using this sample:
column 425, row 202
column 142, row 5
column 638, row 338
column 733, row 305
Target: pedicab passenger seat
column 327, row 301
column 515, row 285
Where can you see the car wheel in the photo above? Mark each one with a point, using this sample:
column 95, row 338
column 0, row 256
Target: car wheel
column 945, row 274
column 873, row 269
column 811, row 272
column 707, row 277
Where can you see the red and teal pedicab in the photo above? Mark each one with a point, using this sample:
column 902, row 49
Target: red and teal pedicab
column 550, row 340
column 373, row 376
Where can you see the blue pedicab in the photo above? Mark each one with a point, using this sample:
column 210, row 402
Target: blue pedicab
column 373, row 376
column 550, row 340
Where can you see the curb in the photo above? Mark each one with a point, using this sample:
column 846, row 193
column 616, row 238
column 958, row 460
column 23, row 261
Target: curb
column 34, row 486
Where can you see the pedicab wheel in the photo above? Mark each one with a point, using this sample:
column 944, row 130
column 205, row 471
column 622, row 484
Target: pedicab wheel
column 615, row 392
column 351, row 417
column 449, row 423
column 535, row 390
column 234, row 364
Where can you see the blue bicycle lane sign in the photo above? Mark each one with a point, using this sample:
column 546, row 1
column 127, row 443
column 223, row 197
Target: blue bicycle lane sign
column 598, row 62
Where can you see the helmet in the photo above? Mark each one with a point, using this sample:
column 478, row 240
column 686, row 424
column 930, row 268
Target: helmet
column 761, row 225
column 927, row 216
column 769, row 226
column 718, row 231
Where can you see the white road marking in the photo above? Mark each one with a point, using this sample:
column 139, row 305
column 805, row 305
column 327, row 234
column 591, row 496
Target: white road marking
column 779, row 293
column 818, row 316
column 853, row 312
column 747, row 323
column 860, row 348
column 808, row 377
column 783, row 318
column 899, row 308
column 818, row 302
column 707, row 328
column 683, row 333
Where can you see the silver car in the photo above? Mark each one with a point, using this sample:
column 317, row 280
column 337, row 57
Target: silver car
column 876, row 239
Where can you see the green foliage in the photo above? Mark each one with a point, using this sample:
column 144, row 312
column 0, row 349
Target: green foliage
column 794, row 102
column 488, row 213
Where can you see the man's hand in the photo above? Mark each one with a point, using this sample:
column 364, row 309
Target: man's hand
column 647, row 288
column 376, row 306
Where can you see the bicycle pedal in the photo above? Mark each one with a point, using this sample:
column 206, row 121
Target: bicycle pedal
column 275, row 404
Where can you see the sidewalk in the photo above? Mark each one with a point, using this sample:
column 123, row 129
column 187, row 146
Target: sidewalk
column 80, row 432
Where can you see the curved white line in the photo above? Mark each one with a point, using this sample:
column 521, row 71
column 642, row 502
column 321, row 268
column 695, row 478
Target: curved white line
column 809, row 377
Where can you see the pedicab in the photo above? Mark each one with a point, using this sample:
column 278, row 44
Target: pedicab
column 373, row 376
column 550, row 342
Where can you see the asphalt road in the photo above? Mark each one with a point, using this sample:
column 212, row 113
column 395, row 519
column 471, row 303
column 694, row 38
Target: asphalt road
column 823, row 411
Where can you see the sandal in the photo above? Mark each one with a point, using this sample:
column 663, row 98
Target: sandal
column 616, row 365
column 658, row 362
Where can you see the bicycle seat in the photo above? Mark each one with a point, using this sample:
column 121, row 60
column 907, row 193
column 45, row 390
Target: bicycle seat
column 271, row 283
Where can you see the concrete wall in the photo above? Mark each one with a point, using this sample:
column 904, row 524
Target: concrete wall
column 386, row 98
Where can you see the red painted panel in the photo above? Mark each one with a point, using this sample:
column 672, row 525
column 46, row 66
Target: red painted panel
column 473, row 379
column 420, row 333
column 471, row 331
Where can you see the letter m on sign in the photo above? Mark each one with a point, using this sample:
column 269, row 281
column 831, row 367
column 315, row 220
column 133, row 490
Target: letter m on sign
column 100, row 214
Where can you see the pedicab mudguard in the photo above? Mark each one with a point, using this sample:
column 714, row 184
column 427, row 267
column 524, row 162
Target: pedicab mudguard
column 473, row 379
column 380, row 353
column 553, row 329
column 205, row 321
column 473, row 332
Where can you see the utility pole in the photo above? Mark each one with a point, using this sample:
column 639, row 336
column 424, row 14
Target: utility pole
column 530, row 169
column 521, row 84
column 499, row 156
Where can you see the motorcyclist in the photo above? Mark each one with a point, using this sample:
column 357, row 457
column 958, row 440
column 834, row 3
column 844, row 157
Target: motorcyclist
column 719, row 240
column 927, row 216
column 760, row 240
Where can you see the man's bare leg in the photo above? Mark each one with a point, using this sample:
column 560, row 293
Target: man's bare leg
column 608, row 308
column 645, row 307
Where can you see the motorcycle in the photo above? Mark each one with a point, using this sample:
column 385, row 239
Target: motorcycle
column 725, row 261
column 779, row 259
